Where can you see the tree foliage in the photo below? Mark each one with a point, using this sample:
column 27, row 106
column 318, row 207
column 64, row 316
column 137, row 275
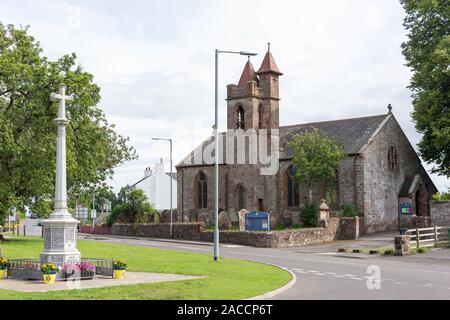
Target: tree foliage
column 135, row 209
column 316, row 157
column 427, row 52
column 27, row 130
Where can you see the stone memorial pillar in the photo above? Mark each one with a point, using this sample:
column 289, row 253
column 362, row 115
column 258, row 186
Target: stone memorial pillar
column 242, row 214
column 60, row 229
column 324, row 214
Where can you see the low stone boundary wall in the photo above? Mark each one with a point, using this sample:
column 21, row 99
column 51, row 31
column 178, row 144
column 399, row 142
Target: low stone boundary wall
column 337, row 229
column 97, row 229
column 186, row 231
column 440, row 213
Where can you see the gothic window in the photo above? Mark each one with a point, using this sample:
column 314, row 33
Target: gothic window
column 202, row 191
column 332, row 191
column 240, row 197
column 260, row 116
column 240, row 118
column 392, row 158
column 293, row 188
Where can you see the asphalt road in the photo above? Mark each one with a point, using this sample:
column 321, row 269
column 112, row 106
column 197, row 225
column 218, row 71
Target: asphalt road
column 322, row 273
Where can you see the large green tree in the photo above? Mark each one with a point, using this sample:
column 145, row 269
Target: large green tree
column 316, row 157
column 28, row 133
column 427, row 52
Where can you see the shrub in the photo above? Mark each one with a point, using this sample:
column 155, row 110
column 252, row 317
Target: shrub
column 49, row 268
column 441, row 197
column 3, row 263
column 348, row 210
column 119, row 265
column 280, row 227
column 309, row 214
column 115, row 213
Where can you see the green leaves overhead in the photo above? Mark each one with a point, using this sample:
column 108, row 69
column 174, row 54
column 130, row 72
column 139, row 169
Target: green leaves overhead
column 27, row 131
column 427, row 52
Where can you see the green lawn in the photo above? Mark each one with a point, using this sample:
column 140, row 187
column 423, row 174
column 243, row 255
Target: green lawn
column 227, row 279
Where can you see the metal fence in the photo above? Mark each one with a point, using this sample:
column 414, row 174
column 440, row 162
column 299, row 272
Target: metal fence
column 31, row 269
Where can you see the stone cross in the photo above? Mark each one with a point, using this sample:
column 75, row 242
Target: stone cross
column 60, row 227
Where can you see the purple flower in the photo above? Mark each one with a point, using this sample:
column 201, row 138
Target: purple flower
column 71, row 267
column 87, row 266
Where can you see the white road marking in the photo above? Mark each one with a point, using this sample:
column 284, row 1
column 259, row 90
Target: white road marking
column 348, row 275
column 331, row 273
column 313, row 271
column 356, row 278
column 338, row 276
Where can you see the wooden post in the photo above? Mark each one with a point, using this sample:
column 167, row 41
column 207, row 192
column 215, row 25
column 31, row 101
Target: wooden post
column 24, row 231
column 417, row 238
column 435, row 236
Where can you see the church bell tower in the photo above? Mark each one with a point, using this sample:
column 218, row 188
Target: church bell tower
column 254, row 102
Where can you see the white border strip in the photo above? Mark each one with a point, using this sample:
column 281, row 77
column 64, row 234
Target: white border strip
column 278, row 291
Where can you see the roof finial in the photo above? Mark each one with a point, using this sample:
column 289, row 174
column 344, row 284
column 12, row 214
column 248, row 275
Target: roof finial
column 268, row 46
column 389, row 108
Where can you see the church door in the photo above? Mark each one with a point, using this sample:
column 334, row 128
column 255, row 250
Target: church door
column 260, row 205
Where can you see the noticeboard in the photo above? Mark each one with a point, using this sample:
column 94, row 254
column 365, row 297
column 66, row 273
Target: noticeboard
column 406, row 208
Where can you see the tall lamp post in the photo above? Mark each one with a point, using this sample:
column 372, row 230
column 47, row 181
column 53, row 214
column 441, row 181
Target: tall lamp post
column 216, row 150
column 171, row 213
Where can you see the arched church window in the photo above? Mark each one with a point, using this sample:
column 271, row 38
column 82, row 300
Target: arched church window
column 240, row 197
column 260, row 116
column 240, row 118
column 293, row 188
column 392, row 158
column 202, row 190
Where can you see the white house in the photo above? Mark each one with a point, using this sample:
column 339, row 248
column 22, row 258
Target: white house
column 156, row 185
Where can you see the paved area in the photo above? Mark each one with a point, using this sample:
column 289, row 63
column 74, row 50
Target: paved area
column 98, row 282
column 322, row 273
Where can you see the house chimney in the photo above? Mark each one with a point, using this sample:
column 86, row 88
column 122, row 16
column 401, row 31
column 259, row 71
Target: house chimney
column 147, row 172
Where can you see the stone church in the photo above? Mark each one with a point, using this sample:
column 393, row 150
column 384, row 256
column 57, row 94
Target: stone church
column 381, row 175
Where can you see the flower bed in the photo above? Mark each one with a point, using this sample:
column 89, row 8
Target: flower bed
column 86, row 269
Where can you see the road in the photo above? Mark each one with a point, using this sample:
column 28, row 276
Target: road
column 322, row 273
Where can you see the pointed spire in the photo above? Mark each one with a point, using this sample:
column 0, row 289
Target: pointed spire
column 268, row 64
column 248, row 74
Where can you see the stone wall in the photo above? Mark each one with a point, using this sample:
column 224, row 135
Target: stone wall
column 381, row 184
column 338, row 229
column 440, row 213
column 186, row 231
column 97, row 230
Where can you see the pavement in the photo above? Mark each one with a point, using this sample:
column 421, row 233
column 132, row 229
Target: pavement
column 98, row 282
column 322, row 273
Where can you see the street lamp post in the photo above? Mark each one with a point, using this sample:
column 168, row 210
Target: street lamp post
column 216, row 149
column 171, row 213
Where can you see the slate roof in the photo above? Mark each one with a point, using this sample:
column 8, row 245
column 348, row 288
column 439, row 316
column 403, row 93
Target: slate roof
column 352, row 133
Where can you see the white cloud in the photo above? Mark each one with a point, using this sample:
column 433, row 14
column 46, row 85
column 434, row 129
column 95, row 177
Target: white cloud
column 154, row 61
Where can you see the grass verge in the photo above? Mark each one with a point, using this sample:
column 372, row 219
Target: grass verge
column 227, row 279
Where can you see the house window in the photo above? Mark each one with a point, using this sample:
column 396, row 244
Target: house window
column 293, row 187
column 202, row 191
column 240, row 118
column 240, row 197
column 392, row 158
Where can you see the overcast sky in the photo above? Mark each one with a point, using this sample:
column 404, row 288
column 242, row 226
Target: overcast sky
column 154, row 61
